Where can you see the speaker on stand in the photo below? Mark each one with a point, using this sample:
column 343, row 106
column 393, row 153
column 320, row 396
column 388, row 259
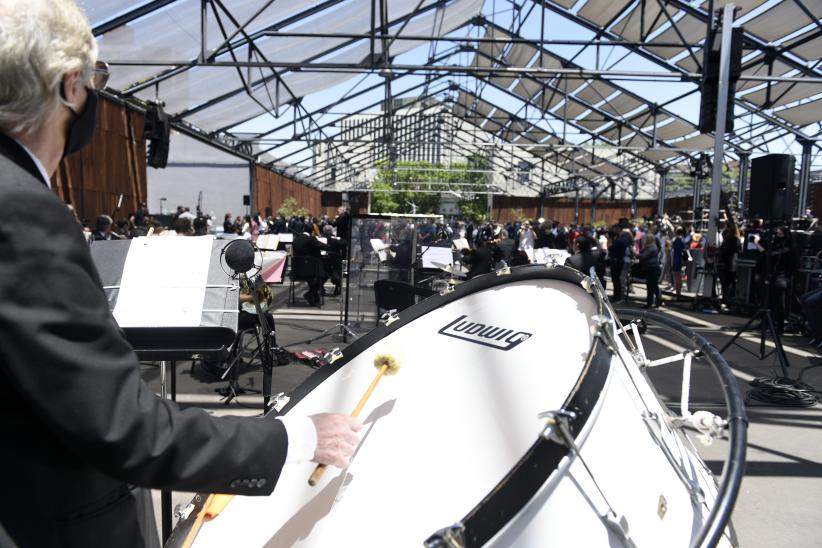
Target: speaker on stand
column 771, row 193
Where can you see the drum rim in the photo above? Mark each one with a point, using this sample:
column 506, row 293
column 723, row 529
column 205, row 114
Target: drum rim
column 416, row 311
column 734, row 468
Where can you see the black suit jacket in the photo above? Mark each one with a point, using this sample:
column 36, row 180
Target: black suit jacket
column 304, row 245
column 79, row 427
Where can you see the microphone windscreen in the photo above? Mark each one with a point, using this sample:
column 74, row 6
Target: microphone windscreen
column 239, row 255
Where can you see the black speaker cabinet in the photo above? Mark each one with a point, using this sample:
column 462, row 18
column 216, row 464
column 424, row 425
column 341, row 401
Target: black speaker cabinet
column 771, row 193
column 246, row 199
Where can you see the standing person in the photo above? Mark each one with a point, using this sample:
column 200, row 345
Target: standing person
column 775, row 267
column 588, row 256
column 616, row 255
column 78, row 461
column 679, row 257
column 649, row 265
column 228, row 224
column 343, row 223
column 726, row 265
column 526, row 240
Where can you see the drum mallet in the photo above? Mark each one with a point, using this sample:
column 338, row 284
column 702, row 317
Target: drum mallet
column 386, row 365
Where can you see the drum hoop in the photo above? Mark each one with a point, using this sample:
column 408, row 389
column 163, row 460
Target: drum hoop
column 412, row 313
column 526, row 478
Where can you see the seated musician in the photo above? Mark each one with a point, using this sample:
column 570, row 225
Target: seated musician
column 305, row 245
column 332, row 260
column 480, row 260
column 248, row 311
column 83, row 435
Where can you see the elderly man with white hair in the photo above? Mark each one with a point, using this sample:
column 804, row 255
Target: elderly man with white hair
column 82, row 434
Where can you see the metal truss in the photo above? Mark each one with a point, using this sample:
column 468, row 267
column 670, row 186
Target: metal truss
column 310, row 126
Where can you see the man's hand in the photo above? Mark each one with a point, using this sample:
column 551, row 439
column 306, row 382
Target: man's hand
column 336, row 438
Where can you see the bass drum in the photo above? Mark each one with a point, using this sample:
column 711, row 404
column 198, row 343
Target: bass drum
column 457, row 449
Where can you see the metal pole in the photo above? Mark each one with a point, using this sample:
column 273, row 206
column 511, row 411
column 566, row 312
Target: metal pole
column 742, row 184
column 804, row 178
column 165, row 496
column 663, row 181
column 576, row 206
column 634, row 191
column 203, row 29
column 697, row 206
column 721, row 114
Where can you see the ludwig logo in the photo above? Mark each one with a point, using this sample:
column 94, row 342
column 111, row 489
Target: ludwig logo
column 501, row 338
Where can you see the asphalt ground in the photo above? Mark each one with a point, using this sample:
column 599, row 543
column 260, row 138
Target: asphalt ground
column 780, row 502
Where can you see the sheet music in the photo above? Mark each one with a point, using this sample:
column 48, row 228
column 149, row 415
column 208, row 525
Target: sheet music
column 434, row 257
column 286, row 238
column 378, row 245
column 460, row 244
column 164, row 282
column 544, row 255
column 268, row 242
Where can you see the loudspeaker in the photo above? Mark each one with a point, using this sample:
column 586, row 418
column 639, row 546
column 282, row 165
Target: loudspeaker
column 710, row 82
column 246, row 199
column 269, row 212
column 771, row 193
column 158, row 132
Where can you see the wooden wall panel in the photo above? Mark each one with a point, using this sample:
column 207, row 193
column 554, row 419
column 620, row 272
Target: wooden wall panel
column 273, row 188
column 114, row 163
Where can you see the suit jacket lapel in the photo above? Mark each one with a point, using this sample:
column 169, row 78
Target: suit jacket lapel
column 12, row 150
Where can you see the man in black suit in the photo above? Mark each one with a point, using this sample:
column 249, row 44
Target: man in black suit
column 588, row 256
column 309, row 246
column 82, row 434
column 480, row 260
column 332, row 260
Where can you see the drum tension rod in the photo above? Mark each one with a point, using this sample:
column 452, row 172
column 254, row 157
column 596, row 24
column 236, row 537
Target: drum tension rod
column 390, row 317
column 558, row 430
column 452, row 536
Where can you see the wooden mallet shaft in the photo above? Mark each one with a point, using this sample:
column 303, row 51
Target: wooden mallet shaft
column 386, row 363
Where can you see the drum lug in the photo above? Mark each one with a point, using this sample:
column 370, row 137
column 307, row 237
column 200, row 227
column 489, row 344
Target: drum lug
column 619, row 526
column 452, row 536
column 504, row 271
column 279, row 401
column 587, row 285
column 556, row 424
column 333, row 356
column 389, row 317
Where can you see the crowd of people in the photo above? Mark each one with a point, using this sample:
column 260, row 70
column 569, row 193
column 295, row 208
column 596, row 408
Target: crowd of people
column 656, row 251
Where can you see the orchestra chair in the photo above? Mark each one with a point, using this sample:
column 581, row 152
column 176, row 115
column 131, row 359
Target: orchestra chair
column 303, row 269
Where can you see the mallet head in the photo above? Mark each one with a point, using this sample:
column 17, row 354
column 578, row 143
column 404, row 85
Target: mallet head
column 390, row 361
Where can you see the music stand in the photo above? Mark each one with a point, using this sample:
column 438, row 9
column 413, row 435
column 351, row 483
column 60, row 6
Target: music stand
column 166, row 323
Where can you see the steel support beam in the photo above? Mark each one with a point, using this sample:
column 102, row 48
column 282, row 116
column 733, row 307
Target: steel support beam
column 721, row 115
column 742, row 184
column 130, row 16
column 804, row 178
column 663, row 184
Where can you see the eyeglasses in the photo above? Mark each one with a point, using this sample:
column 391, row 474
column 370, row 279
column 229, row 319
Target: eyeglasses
column 100, row 75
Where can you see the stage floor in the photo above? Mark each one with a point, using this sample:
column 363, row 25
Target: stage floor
column 778, row 504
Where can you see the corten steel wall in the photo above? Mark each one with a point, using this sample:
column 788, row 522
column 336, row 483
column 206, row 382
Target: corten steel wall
column 271, row 189
column 331, row 201
column 113, row 164
column 509, row 208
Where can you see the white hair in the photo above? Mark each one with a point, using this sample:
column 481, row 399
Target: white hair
column 40, row 41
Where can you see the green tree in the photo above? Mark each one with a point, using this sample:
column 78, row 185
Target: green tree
column 289, row 208
column 423, row 183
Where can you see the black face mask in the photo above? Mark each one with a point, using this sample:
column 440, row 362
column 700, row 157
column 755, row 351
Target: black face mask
column 82, row 126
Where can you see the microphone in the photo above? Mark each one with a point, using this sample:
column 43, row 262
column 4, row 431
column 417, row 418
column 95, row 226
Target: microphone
column 239, row 255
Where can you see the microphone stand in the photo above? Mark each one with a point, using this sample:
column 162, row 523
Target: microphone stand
column 265, row 337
